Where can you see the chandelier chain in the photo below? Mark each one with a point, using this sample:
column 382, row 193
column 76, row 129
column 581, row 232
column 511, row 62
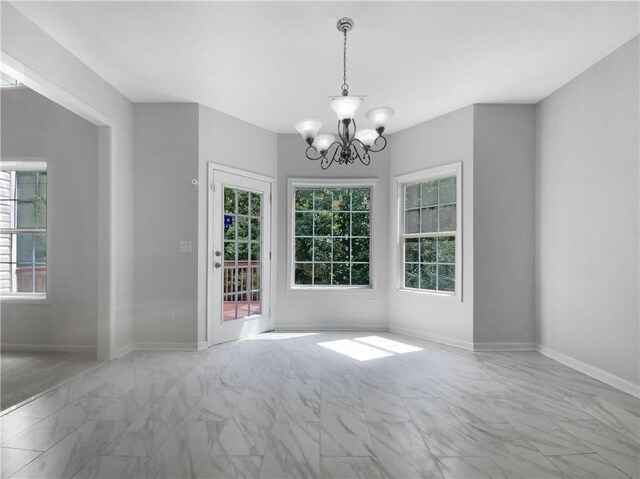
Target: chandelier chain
column 345, row 85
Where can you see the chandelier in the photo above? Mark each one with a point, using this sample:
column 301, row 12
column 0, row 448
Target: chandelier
column 353, row 144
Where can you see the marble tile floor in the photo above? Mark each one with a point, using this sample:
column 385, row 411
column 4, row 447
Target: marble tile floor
column 329, row 405
column 26, row 374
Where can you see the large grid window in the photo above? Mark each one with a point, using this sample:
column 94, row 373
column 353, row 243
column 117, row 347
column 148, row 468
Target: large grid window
column 23, row 231
column 332, row 230
column 429, row 234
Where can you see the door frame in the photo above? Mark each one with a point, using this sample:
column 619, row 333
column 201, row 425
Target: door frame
column 211, row 168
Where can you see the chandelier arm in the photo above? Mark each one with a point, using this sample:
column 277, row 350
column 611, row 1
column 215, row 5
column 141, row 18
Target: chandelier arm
column 326, row 163
column 306, row 152
column 353, row 142
column 337, row 143
column 365, row 159
column 384, row 145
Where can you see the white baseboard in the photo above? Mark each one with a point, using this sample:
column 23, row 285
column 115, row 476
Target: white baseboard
column 589, row 370
column 166, row 346
column 505, row 346
column 329, row 327
column 431, row 337
column 49, row 348
column 202, row 345
column 123, row 351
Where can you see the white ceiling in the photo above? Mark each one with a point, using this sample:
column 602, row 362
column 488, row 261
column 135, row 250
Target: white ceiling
column 273, row 64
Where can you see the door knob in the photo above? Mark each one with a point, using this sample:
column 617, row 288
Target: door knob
column 217, row 253
column 217, row 265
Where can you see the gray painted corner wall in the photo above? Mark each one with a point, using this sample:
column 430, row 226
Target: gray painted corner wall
column 229, row 141
column 54, row 70
column 165, row 212
column 496, row 145
column 503, row 223
column 336, row 309
column 587, row 251
column 174, row 142
column 444, row 140
column 34, row 126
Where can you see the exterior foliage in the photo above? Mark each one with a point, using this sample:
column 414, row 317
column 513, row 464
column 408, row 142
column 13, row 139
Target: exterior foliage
column 332, row 228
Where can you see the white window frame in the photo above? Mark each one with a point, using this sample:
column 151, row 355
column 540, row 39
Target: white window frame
column 30, row 164
column 292, row 184
column 401, row 181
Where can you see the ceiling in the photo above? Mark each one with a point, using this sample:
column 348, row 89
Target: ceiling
column 274, row 63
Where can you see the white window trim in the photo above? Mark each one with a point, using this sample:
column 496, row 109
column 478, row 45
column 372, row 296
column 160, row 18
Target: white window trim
column 293, row 183
column 453, row 169
column 31, row 164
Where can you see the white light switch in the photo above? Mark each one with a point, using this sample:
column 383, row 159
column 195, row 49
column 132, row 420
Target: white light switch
column 185, row 246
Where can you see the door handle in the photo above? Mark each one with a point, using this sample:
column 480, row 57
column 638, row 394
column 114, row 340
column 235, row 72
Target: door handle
column 217, row 265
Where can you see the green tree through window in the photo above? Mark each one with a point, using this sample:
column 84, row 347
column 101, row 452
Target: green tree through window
column 430, row 234
column 332, row 231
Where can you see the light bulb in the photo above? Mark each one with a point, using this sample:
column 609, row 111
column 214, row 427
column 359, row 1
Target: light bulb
column 367, row 136
column 308, row 128
column 346, row 106
column 380, row 116
column 323, row 142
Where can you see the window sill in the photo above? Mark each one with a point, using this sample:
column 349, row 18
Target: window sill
column 23, row 299
column 332, row 289
column 443, row 294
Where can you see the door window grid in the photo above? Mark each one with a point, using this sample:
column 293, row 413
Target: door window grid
column 429, row 239
column 242, row 253
column 23, row 232
column 332, row 236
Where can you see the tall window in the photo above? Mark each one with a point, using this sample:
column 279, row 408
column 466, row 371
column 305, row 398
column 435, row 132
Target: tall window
column 331, row 235
column 429, row 235
column 23, row 228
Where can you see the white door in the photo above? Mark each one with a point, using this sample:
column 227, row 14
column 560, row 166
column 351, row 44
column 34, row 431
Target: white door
column 239, row 254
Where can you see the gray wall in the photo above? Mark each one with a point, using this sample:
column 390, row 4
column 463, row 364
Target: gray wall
column 444, row 140
column 348, row 309
column 50, row 68
column 503, row 225
column 231, row 142
column 174, row 143
column 587, row 216
column 33, row 126
column 165, row 212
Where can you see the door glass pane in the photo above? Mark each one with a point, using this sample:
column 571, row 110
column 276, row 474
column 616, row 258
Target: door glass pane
column 242, row 286
column 229, row 310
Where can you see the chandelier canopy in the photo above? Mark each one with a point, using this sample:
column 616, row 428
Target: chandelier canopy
column 353, row 144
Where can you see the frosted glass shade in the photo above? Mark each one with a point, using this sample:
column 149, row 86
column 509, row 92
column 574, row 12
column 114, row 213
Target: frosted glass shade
column 346, row 106
column 367, row 136
column 308, row 128
column 380, row 116
column 323, row 142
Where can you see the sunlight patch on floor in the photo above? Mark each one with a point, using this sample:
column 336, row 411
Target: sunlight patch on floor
column 388, row 344
column 369, row 347
column 355, row 350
